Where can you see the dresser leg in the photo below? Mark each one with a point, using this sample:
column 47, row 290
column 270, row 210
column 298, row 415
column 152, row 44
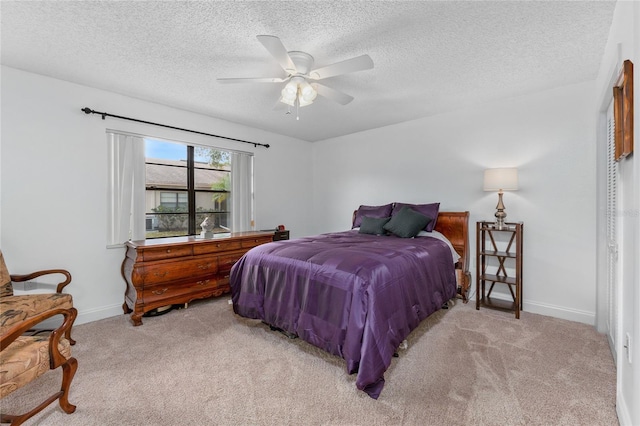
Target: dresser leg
column 125, row 308
column 136, row 318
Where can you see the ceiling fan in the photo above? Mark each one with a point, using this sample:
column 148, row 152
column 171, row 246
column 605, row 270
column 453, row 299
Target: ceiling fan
column 302, row 87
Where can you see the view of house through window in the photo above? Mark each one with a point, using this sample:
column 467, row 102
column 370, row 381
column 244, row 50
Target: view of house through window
column 184, row 184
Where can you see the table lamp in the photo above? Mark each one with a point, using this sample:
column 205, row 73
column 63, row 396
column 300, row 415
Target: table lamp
column 505, row 179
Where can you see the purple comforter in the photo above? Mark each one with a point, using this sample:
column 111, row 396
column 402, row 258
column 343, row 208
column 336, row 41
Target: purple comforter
column 354, row 295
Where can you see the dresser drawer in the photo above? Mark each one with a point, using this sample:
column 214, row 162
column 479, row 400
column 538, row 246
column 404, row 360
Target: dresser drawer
column 226, row 261
column 215, row 247
column 159, row 253
column 175, row 271
column 254, row 242
column 166, row 294
column 223, row 281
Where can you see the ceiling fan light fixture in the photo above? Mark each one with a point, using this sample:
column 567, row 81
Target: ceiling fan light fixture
column 287, row 98
column 298, row 89
column 290, row 91
column 302, row 102
column 290, row 102
column 307, row 92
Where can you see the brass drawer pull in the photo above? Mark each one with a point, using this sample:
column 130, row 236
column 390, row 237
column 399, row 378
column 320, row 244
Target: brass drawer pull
column 160, row 274
column 204, row 265
column 205, row 282
column 160, row 292
column 168, row 250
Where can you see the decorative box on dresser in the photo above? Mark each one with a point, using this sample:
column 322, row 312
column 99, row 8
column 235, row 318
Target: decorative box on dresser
column 499, row 261
column 177, row 270
column 281, row 235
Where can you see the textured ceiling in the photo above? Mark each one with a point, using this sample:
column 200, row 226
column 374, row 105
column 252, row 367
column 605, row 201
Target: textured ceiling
column 429, row 57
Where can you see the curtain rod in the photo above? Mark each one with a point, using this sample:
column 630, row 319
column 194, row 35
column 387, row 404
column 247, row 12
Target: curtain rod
column 106, row 114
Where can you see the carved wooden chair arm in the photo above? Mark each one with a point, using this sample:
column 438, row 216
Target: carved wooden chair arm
column 27, row 277
column 56, row 358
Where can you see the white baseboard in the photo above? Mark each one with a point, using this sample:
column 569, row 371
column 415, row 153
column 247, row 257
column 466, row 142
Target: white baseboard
column 83, row 317
column 624, row 416
column 547, row 309
column 561, row 312
column 99, row 313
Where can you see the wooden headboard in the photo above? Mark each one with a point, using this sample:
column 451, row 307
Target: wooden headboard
column 455, row 226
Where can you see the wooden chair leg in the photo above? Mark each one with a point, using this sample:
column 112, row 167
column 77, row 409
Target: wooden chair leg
column 68, row 371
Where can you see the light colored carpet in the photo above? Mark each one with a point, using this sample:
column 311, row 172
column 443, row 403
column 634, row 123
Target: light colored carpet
column 207, row 366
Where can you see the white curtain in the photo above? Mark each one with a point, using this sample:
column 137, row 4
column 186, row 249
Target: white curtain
column 241, row 192
column 126, row 189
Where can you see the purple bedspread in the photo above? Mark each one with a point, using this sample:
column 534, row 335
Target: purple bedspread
column 354, row 295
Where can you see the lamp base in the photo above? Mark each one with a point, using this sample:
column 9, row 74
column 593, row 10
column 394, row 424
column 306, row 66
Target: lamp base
column 500, row 213
column 500, row 224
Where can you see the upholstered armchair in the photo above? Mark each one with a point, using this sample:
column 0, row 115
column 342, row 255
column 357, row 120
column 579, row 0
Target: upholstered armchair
column 24, row 358
column 17, row 308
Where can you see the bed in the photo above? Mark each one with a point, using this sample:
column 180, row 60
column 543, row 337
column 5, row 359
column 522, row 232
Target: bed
column 354, row 294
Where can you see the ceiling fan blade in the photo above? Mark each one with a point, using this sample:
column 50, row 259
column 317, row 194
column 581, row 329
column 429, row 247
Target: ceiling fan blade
column 333, row 94
column 252, row 80
column 358, row 63
column 278, row 51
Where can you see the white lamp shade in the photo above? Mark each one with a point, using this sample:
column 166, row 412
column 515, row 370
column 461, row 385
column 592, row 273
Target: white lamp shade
column 501, row 179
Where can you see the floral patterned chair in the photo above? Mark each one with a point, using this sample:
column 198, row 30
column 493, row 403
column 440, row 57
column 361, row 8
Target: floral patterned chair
column 24, row 358
column 17, row 308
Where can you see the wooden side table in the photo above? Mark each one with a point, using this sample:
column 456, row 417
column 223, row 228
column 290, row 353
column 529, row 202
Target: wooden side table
column 499, row 261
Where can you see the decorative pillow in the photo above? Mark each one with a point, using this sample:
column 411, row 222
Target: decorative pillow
column 373, row 225
column 371, row 211
column 407, row 223
column 429, row 210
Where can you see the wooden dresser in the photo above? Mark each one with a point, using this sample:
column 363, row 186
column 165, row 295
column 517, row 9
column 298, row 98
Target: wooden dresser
column 167, row 271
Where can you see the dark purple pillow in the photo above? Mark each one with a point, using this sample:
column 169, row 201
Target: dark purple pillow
column 371, row 211
column 429, row 210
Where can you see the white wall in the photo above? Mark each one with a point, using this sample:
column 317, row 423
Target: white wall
column 549, row 136
column 54, row 179
column 623, row 43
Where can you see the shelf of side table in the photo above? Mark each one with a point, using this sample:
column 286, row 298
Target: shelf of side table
column 499, row 261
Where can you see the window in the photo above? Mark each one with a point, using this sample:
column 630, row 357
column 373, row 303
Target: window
column 184, row 184
column 173, row 200
column 164, row 189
